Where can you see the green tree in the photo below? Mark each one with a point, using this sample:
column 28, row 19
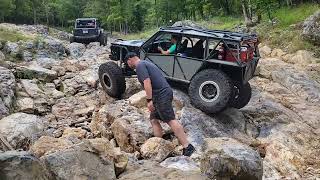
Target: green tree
column 6, row 6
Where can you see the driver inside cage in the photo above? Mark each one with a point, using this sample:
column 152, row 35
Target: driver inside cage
column 172, row 49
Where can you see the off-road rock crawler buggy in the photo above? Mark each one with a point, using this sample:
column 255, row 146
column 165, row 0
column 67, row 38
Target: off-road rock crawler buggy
column 88, row 30
column 216, row 65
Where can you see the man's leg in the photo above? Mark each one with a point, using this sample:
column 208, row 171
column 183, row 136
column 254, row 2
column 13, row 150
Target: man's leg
column 157, row 129
column 179, row 132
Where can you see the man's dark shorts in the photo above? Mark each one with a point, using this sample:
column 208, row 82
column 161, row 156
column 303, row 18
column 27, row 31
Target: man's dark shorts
column 163, row 107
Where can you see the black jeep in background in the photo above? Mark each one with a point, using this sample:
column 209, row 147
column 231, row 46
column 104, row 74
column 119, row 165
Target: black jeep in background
column 88, row 30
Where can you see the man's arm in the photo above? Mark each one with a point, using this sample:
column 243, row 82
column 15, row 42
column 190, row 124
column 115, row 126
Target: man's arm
column 163, row 52
column 169, row 51
column 148, row 88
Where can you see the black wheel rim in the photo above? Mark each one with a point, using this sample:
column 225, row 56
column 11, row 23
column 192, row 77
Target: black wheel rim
column 107, row 81
column 209, row 91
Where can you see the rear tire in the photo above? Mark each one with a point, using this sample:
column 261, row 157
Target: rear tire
column 112, row 80
column 102, row 39
column 72, row 39
column 241, row 96
column 210, row 91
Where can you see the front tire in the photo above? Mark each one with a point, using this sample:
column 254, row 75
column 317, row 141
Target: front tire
column 72, row 39
column 102, row 39
column 242, row 95
column 210, row 91
column 112, row 80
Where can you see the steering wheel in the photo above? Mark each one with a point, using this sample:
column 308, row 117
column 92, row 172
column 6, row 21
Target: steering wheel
column 160, row 44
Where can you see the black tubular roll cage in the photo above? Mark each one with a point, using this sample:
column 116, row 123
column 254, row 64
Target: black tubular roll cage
column 225, row 37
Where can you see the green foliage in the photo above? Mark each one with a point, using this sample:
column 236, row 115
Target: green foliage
column 131, row 16
column 286, row 32
column 222, row 22
column 292, row 15
column 13, row 36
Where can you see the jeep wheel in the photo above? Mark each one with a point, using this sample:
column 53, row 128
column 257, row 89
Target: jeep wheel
column 241, row 95
column 210, row 90
column 112, row 80
column 102, row 39
column 72, row 39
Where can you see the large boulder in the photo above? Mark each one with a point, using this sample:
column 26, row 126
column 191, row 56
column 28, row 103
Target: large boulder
column 311, row 28
column 76, row 50
column 75, row 84
column 265, row 51
column 107, row 114
column 74, row 132
column 31, row 88
column 90, row 76
column 36, row 71
column 22, row 165
column 46, row 145
column 157, row 149
column 55, row 46
column 20, row 128
column 139, row 99
column 25, row 105
column 226, row 158
column 301, row 57
column 27, row 56
column 40, row 103
column 11, row 48
column 106, row 150
column 81, row 161
column 128, row 135
column 47, row 63
column 7, row 89
column 72, row 107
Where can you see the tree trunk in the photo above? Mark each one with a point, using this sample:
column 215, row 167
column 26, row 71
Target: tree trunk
column 34, row 13
column 247, row 18
column 227, row 7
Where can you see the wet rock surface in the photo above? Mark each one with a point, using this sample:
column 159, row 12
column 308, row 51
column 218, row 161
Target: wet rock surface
column 52, row 106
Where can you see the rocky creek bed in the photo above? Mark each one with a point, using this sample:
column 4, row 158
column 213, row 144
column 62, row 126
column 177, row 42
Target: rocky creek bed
column 57, row 123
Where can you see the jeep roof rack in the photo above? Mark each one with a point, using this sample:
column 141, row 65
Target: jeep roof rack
column 86, row 18
column 221, row 34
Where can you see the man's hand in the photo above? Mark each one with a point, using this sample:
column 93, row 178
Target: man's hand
column 160, row 49
column 150, row 106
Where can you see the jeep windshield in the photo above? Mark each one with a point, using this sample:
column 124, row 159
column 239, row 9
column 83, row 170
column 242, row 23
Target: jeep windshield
column 90, row 23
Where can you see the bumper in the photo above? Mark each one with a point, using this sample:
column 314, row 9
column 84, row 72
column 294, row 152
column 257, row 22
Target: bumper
column 87, row 38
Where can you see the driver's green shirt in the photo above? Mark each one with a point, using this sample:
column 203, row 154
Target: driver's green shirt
column 173, row 48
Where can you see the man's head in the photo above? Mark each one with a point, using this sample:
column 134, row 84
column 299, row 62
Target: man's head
column 132, row 59
column 174, row 39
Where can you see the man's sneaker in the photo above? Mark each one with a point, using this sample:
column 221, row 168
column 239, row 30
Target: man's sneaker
column 188, row 150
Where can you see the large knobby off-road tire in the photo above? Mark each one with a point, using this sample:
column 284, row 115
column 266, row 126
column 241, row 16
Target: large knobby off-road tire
column 112, row 80
column 102, row 39
column 241, row 95
column 210, row 90
column 72, row 39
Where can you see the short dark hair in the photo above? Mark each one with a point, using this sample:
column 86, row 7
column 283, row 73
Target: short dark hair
column 130, row 55
column 176, row 37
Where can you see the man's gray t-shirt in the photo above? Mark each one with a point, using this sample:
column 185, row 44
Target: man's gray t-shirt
column 146, row 69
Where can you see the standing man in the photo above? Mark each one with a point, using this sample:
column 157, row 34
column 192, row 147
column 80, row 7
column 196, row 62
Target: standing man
column 159, row 99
